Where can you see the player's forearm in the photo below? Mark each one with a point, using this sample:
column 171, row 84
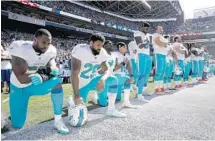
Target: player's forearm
column 117, row 67
column 75, row 85
column 160, row 43
column 142, row 45
column 24, row 78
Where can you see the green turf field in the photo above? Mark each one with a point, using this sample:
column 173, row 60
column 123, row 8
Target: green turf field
column 40, row 107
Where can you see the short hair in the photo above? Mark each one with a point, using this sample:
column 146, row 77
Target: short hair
column 41, row 32
column 145, row 24
column 97, row 37
column 120, row 44
column 107, row 41
column 176, row 37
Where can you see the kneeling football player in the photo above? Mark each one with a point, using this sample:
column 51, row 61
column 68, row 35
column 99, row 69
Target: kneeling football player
column 86, row 59
column 34, row 73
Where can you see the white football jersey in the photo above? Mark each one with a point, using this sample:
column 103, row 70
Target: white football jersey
column 132, row 47
column 120, row 58
column 157, row 48
column 25, row 50
column 89, row 62
column 145, row 39
column 180, row 56
column 194, row 58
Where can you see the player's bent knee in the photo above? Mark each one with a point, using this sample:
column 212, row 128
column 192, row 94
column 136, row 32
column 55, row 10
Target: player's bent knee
column 58, row 86
column 57, row 90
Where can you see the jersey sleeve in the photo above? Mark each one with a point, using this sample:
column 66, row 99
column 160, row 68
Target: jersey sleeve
column 137, row 34
column 77, row 52
column 15, row 49
column 104, row 56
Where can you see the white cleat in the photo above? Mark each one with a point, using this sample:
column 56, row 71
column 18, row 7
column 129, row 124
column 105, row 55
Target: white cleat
column 115, row 113
column 141, row 98
column 129, row 105
column 62, row 129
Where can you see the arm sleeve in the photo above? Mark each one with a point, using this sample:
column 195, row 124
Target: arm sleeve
column 77, row 53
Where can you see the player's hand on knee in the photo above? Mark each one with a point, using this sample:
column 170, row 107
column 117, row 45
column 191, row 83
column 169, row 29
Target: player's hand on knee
column 36, row 79
column 100, row 86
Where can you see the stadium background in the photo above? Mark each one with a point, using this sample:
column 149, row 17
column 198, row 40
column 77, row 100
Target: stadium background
column 72, row 23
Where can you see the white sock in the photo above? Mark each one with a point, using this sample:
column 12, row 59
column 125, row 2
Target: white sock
column 165, row 86
column 111, row 101
column 156, row 84
column 126, row 96
column 193, row 81
column 139, row 96
column 144, row 89
column 134, row 86
column 57, row 118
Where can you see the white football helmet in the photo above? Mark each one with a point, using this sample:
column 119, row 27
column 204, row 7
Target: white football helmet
column 178, row 70
column 77, row 115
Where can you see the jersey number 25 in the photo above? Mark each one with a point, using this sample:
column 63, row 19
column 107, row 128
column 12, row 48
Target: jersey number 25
column 90, row 71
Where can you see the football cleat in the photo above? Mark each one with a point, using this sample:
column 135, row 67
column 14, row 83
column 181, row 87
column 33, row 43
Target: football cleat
column 129, row 105
column 59, row 125
column 115, row 113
